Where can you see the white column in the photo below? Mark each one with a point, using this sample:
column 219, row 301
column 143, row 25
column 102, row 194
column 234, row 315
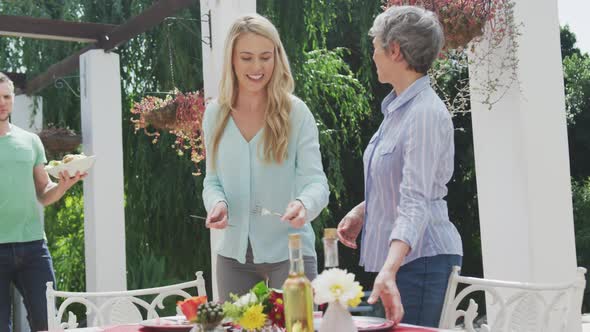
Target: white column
column 522, row 162
column 104, row 217
column 28, row 115
column 222, row 14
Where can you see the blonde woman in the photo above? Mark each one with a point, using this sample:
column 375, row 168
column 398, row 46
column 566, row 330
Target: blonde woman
column 262, row 155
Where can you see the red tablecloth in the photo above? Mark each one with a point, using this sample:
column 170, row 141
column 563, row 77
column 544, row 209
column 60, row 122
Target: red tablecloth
column 136, row 328
column 402, row 328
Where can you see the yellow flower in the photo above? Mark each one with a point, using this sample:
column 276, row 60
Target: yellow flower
column 253, row 318
column 357, row 299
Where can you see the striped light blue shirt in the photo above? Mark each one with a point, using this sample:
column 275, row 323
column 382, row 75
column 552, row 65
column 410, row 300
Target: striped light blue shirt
column 407, row 165
column 244, row 180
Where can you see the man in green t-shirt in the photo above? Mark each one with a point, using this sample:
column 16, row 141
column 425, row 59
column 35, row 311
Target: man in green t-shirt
column 24, row 183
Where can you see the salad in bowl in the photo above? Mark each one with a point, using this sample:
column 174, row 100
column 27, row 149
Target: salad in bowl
column 71, row 163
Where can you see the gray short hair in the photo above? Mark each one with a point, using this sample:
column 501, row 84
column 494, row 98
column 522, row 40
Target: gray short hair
column 417, row 31
column 5, row 78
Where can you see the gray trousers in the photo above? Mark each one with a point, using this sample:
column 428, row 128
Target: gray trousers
column 237, row 278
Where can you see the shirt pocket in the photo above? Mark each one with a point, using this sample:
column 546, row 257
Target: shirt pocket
column 388, row 145
column 387, row 149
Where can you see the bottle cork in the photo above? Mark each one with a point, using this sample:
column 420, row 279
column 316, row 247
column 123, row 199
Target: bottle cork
column 330, row 233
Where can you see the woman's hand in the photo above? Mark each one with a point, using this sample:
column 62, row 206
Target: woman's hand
column 350, row 227
column 217, row 218
column 295, row 214
column 385, row 288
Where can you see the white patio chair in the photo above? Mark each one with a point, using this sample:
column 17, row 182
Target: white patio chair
column 521, row 306
column 120, row 307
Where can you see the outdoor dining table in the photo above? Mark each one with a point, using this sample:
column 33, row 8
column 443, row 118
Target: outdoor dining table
column 140, row 328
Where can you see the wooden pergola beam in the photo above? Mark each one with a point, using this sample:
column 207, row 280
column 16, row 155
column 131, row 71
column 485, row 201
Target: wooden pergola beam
column 60, row 69
column 42, row 28
column 143, row 22
column 139, row 24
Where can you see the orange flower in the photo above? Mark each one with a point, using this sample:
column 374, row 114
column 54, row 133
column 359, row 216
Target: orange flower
column 189, row 307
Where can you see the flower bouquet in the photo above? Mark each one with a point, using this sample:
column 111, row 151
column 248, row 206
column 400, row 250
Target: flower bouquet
column 207, row 315
column 337, row 288
column 261, row 309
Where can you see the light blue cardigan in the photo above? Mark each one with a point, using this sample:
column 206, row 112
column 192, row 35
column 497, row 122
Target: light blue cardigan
column 242, row 179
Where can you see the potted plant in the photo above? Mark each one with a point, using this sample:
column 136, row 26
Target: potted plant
column 59, row 140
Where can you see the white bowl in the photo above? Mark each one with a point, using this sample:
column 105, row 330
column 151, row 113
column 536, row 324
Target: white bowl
column 78, row 165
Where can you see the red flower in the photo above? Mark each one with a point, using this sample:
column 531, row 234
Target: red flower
column 277, row 309
column 189, row 307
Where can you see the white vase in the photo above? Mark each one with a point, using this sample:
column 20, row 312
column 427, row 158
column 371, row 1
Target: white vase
column 337, row 318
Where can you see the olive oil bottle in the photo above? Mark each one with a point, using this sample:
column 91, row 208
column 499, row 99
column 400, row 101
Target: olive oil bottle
column 297, row 291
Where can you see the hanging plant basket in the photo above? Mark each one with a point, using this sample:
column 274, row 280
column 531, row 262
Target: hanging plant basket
column 462, row 21
column 59, row 140
column 179, row 114
column 163, row 118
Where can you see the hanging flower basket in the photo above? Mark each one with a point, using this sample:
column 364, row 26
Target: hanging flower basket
column 58, row 140
column 163, row 118
column 180, row 114
column 462, row 21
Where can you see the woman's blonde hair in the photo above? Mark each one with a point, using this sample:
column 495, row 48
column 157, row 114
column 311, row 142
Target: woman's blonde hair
column 279, row 89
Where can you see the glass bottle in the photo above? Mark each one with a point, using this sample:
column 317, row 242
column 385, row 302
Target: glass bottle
column 297, row 291
column 330, row 248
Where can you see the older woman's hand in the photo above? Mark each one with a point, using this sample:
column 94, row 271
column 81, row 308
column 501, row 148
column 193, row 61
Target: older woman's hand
column 385, row 288
column 295, row 214
column 350, row 227
column 217, row 218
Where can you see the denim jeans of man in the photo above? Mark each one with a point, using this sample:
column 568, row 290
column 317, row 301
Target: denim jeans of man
column 28, row 266
column 422, row 284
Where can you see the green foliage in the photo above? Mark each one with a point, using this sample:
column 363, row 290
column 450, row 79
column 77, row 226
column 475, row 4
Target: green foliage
column 303, row 25
column 339, row 103
column 65, row 235
column 149, row 270
column 568, row 42
column 581, row 202
column 64, row 225
column 576, row 73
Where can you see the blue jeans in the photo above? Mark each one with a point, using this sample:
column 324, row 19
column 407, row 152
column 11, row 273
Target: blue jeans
column 29, row 267
column 422, row 284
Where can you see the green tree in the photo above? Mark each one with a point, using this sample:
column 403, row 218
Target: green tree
column 568, row 42
column 581, row 202
column 576, row 73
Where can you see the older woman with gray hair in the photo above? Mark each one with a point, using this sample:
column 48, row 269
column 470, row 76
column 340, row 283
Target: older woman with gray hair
column 407, row 235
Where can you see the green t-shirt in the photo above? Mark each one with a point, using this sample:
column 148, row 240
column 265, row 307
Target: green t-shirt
column 20, row 211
